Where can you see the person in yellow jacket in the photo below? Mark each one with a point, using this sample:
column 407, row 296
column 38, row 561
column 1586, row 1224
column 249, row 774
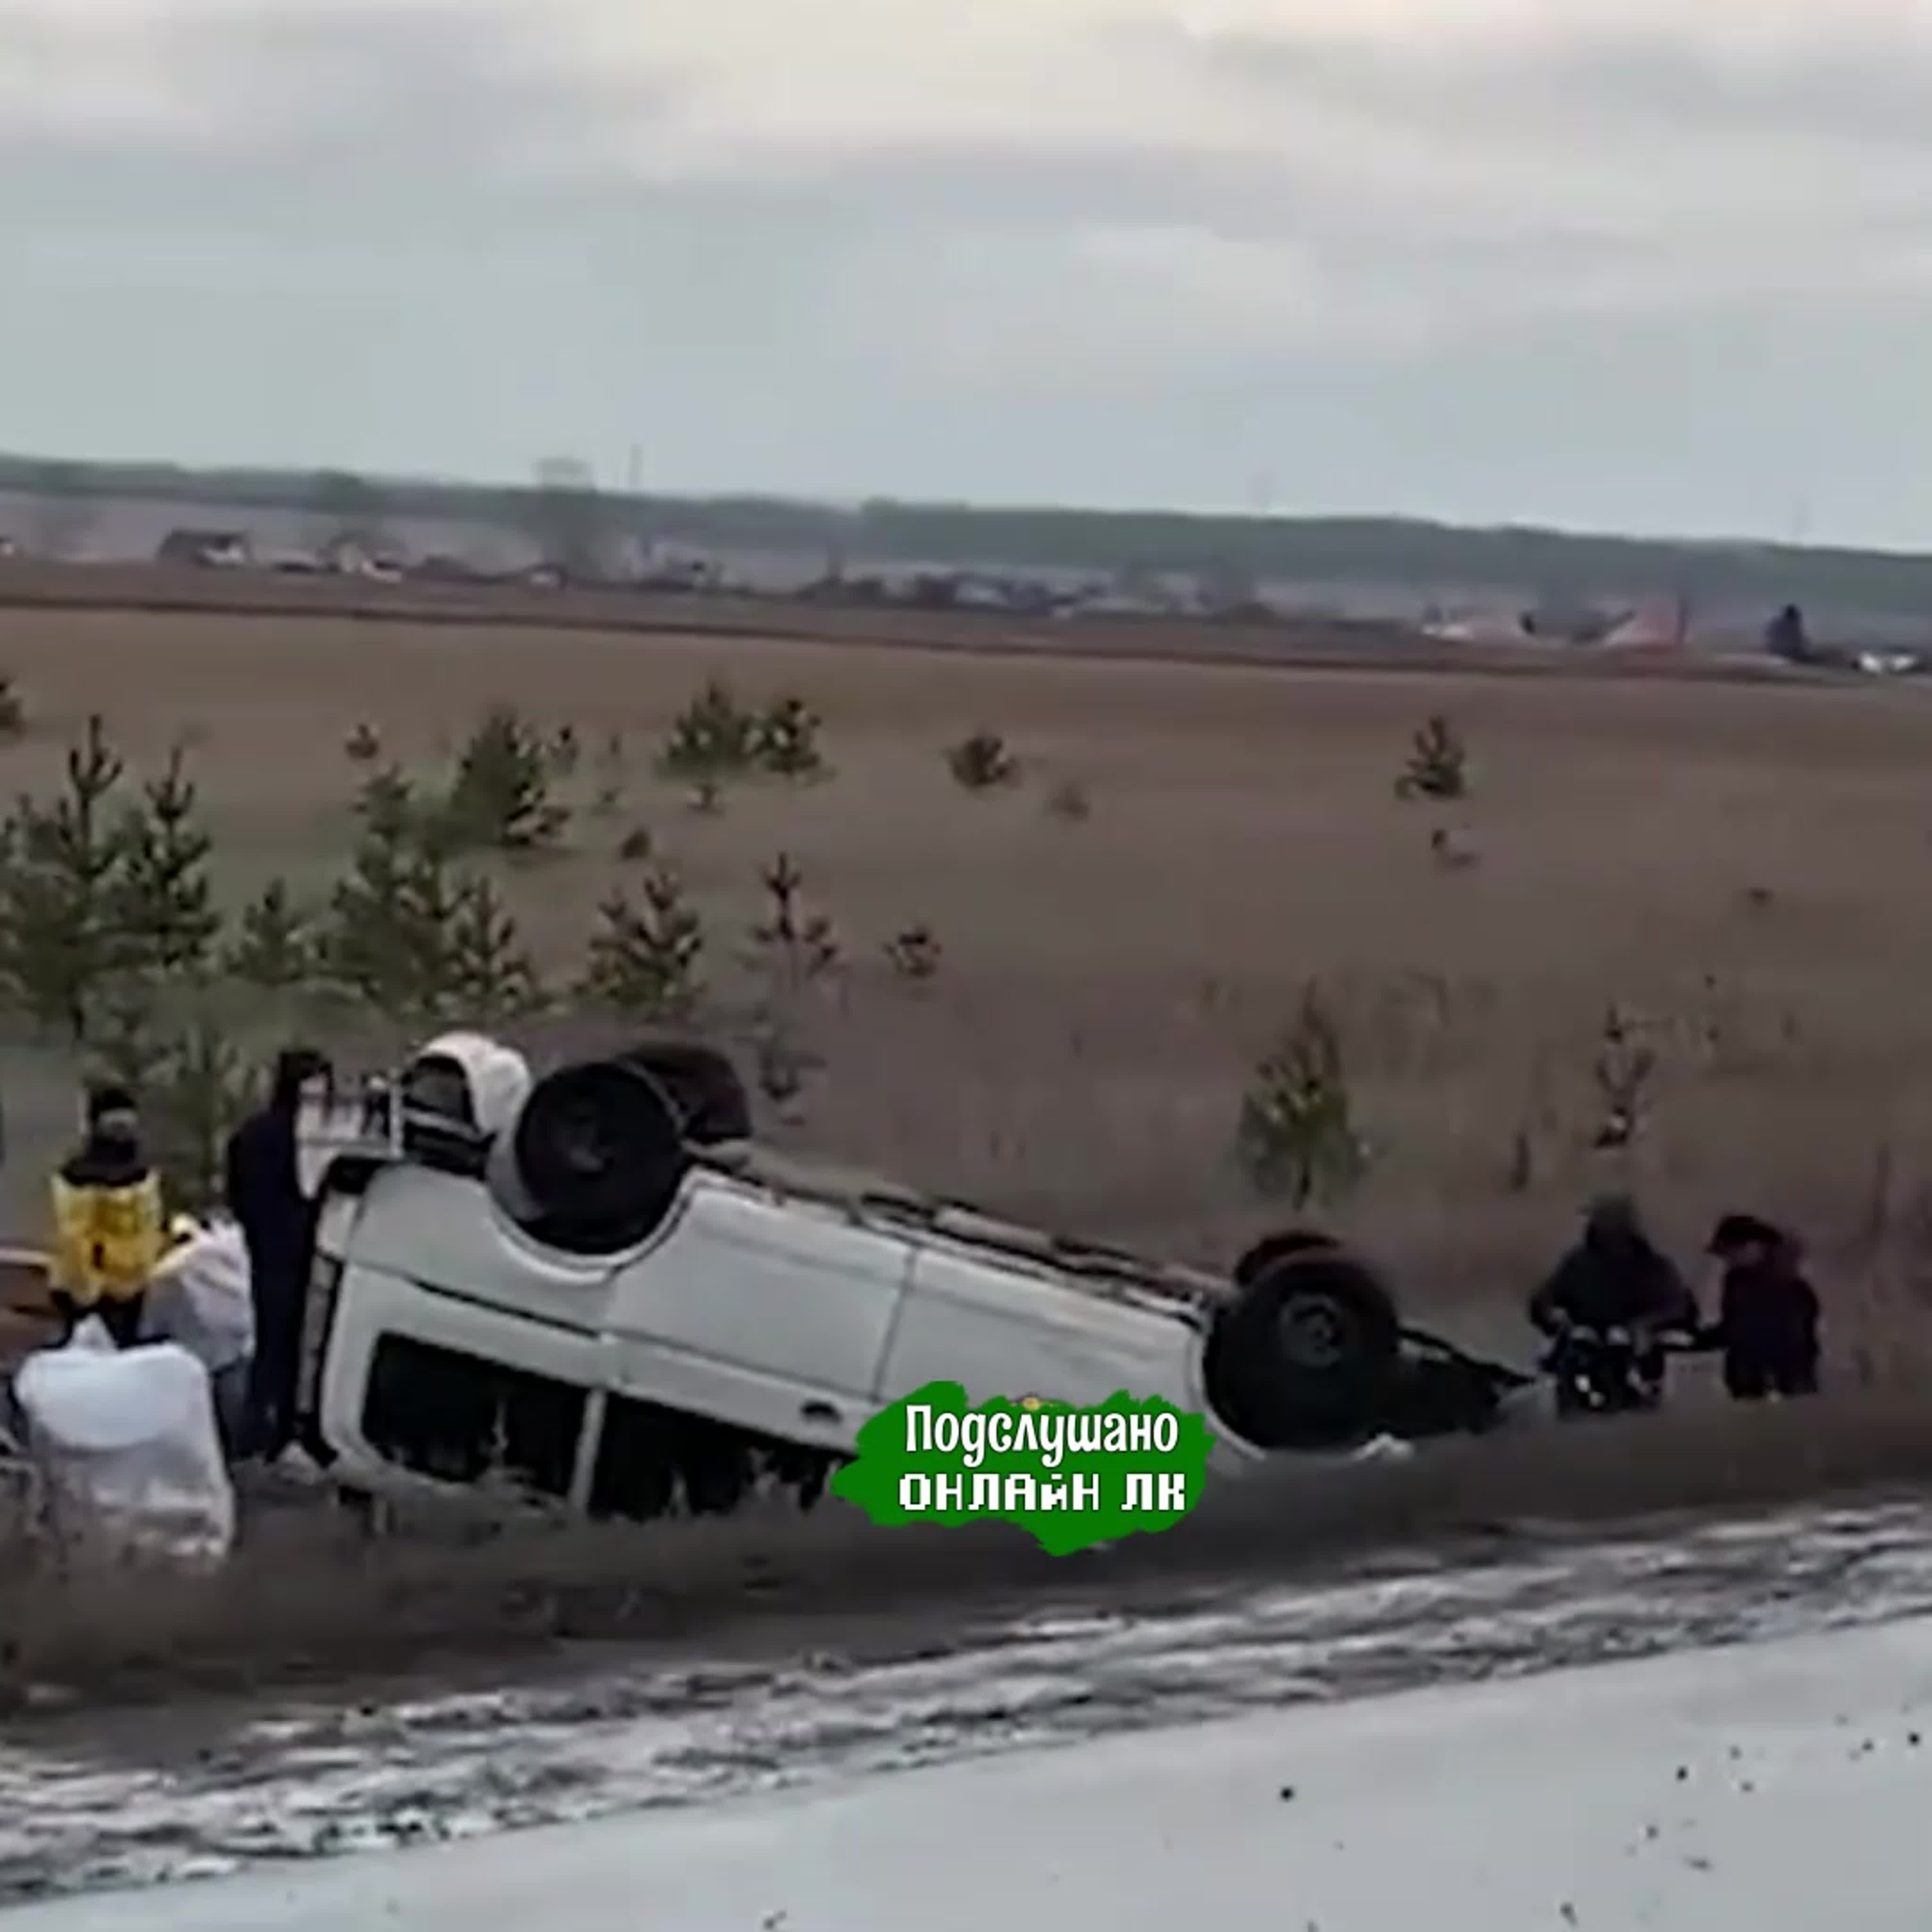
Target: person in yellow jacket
column 110, row 1227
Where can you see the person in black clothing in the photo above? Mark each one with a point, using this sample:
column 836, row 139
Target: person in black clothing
column 264, row 1196
column 1614, row 1277
column 1768, row 1315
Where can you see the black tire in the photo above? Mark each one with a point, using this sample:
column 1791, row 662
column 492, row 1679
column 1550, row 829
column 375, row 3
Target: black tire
column 600, row 1154
column 1266, row 1252
column 704, row 1086
column 1306, row 1355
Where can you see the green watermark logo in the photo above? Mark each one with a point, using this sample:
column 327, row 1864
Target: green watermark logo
column 1069, row 1477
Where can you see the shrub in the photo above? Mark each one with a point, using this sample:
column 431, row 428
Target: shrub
column 273, row 950
column 646, row 954
column 982, row 763
column 785, row 741
column 162, row 897
column 1297, row 1138
column 914, row 954
column 382, row 938
column 62, row 869
column 1437, row 766
column 500, row 799
column 713, row 739
column 792, row 949
column 487, row 975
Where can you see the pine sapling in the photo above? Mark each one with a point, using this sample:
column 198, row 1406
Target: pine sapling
column 1437, row 766
column 784, row 741
column 164, row 895
column 982, row 763
column 273, row 950
column 1297, row 1138
column 59, row 935
column 646, row 953
column 489, row 976
column 500, row 799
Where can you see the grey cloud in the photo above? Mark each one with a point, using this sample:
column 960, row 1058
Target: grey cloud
column 1839, row 89
column 375, row 90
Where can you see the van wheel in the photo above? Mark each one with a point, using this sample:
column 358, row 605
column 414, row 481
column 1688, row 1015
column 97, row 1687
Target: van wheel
column 1305, row 1354
column 599, row 1151
column 703, row 1084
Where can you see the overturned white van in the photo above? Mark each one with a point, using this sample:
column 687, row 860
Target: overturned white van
column 596, row 1286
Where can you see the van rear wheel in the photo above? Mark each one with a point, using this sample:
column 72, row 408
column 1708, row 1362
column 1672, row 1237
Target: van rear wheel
column 599, row 1153
column 1305, row 1355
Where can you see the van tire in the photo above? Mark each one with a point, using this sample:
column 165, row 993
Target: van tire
column 600, row 1154
column 703, row 1084
column 1306, row 1353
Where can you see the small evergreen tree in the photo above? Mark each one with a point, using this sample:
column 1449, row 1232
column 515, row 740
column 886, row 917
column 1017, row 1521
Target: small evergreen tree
column 162, row 895
column 1296, row 1137
column 646, row 954
column 383, row 939
column 61, row 869
column 785, row 741
column 982, row 763
column 488, row 974
column 713, row 739
column 500, row 797
column 1439, row 764
column 274, row 949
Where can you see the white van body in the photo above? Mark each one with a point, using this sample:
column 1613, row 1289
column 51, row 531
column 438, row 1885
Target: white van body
column 772, row 1308
column 787, row 1302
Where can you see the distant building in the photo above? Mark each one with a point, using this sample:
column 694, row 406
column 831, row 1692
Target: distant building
column 349, row 555
column 205, row 549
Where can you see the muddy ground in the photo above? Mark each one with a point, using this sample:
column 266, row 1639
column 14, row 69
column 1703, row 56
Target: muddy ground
column 157, row 1793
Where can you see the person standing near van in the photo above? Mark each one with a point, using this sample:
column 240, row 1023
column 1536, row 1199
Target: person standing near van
column 110, row 1228
column 263, row 1185
column 1768, row 1320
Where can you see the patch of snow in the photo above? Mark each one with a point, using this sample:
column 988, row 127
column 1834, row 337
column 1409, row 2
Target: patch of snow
column 303, row 1781
column 1749, row 1790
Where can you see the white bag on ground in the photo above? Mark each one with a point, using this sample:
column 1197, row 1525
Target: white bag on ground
column 126, row 1445
column 198, row 1297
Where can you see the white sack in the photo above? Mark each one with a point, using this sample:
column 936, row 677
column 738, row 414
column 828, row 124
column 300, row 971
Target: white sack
column 198, row 1297
column 126, row 1445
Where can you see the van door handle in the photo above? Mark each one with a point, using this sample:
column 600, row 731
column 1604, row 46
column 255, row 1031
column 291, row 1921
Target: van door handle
column 818, row 1411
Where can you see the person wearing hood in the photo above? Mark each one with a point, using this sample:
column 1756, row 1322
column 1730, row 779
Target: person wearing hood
column 110, row 1227
column 1768, row 1312
column 1614, row 1277
column 264, row 1193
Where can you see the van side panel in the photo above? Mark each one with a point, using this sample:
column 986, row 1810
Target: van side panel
column 773, row 1315
column 969, row 1322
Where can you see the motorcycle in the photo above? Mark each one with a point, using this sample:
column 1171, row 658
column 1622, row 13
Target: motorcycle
column 1615, row 1370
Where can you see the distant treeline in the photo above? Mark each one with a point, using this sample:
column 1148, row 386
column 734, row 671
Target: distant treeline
column 1433, row 558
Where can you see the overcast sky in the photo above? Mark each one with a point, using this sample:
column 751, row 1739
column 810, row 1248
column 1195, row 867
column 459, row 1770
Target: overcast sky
column 1638, row 265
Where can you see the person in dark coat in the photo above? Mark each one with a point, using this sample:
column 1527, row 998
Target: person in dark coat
column 1614, row 1277
column 264, row 1196
column 1768, row 1321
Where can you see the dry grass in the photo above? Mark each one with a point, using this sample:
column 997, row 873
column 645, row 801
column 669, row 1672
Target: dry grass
column 308, row 1604
column 1745, row 868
